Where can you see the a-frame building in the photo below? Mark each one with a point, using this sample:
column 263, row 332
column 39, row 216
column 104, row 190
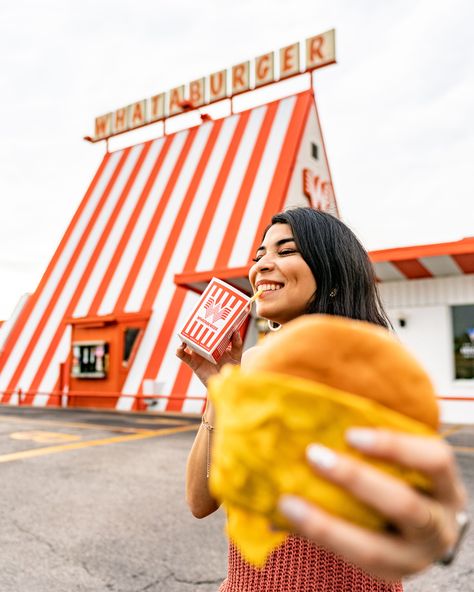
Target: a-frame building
column 157, row 222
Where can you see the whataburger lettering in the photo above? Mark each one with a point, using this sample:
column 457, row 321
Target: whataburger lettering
column 319, row 51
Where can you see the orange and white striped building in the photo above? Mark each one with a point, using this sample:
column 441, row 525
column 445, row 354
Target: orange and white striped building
column 157, row 222
column 193, row 202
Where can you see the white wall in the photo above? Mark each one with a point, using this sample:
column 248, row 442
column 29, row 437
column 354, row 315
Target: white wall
column 425, row 306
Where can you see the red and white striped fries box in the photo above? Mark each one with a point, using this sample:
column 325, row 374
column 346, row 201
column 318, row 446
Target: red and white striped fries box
column 219, row 313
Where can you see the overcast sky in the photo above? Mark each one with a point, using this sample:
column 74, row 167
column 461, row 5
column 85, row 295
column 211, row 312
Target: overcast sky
column 397, row 111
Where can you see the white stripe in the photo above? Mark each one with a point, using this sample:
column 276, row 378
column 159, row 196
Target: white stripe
column 386, row 272
column 130, row 253
column 52, row 374
column 171, row 364
column 259, row 194
column 167, row 221
column 202, row 328
column 180, row 254
column 77, row 272
column 196, row 389
column 443, row 265
column 231, row 190
column 118, row 229
column 56, row 275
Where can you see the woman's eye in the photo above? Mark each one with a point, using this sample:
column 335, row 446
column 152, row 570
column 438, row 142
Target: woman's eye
column 287, row 252
column 256, row 259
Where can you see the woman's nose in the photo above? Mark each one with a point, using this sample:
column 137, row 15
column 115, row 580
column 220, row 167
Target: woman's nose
column 266, row 263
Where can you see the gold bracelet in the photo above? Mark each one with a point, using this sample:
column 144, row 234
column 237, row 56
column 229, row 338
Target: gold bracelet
column 209, row 428
column 206, row 425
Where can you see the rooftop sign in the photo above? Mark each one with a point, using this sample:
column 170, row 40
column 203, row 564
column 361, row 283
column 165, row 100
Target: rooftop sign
column 318, row 51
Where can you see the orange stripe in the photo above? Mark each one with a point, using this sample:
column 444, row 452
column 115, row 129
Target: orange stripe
column 32, row 301
column 465, row 261
column 176, row 302
column 180, row 219
column 150, row 233
column 464, row 246
column 125, row 238
column 184, row 375
column 284, row 169
column 59, row 288
column 78, row 292
column 274, row 202
column 235, row 220
column 412, row 269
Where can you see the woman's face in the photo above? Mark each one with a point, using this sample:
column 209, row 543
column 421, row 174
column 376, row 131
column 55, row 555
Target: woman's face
column 280, row 270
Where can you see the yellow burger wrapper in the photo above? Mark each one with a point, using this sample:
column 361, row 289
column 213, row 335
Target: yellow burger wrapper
column 264, row 422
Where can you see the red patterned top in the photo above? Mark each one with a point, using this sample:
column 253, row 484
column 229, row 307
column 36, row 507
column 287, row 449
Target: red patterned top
column 300, row 566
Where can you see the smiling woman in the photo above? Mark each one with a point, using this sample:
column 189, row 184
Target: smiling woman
column 309, row 262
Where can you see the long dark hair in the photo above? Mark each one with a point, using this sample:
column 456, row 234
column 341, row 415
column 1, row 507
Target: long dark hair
column 345, row 279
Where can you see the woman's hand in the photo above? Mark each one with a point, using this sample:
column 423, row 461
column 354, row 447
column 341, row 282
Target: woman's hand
column 204, row 369
column 426, row 527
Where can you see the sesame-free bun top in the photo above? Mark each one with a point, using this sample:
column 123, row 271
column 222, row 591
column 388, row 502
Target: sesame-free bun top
column 353, row 356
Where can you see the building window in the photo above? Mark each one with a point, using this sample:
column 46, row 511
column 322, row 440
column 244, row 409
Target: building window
column 129, row 339
column 314, row 151
column 90, row 360
column 463, row 335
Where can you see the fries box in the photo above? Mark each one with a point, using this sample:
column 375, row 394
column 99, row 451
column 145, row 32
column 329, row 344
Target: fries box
column 219, row 313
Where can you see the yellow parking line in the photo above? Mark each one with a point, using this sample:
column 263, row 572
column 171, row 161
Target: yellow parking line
column 71, row 424
column 452, row 430
column 468, row 449
column 74, row 446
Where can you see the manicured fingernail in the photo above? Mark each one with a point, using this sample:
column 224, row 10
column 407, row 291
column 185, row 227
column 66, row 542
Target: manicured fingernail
column 360, row 438
column 322, row 457
column 293, row 508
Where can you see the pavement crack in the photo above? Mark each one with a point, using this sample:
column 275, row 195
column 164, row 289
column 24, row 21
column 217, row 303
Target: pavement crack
column 36, row 537
column 172, row 576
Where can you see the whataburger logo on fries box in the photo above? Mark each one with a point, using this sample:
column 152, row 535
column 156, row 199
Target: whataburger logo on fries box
column 219, row 313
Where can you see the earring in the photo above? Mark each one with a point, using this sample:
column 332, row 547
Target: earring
column 273, row 326
column 333, row 293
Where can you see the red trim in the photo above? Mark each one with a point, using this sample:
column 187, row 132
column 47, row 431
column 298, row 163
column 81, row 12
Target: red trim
column 460, row 247
column 465, row 261
column 412, row 269
column 110, row 318
column 193, row 277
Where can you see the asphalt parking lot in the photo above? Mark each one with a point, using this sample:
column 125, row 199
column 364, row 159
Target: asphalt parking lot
column 93, row 501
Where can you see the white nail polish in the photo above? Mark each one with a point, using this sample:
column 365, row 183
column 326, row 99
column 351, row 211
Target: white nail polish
column 361, row 438
column 321, row 456
column 293, row 508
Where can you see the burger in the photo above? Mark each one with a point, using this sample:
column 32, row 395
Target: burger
column 317, row 377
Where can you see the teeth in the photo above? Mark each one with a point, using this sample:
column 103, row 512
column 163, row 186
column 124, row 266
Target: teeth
column 270, row 287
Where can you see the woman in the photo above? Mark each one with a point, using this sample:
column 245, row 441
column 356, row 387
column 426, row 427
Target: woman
column 310, row 262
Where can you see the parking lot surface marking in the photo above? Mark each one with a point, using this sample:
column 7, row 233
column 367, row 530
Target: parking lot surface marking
column 87, row 444
column 45, row 437
column 81, row 425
